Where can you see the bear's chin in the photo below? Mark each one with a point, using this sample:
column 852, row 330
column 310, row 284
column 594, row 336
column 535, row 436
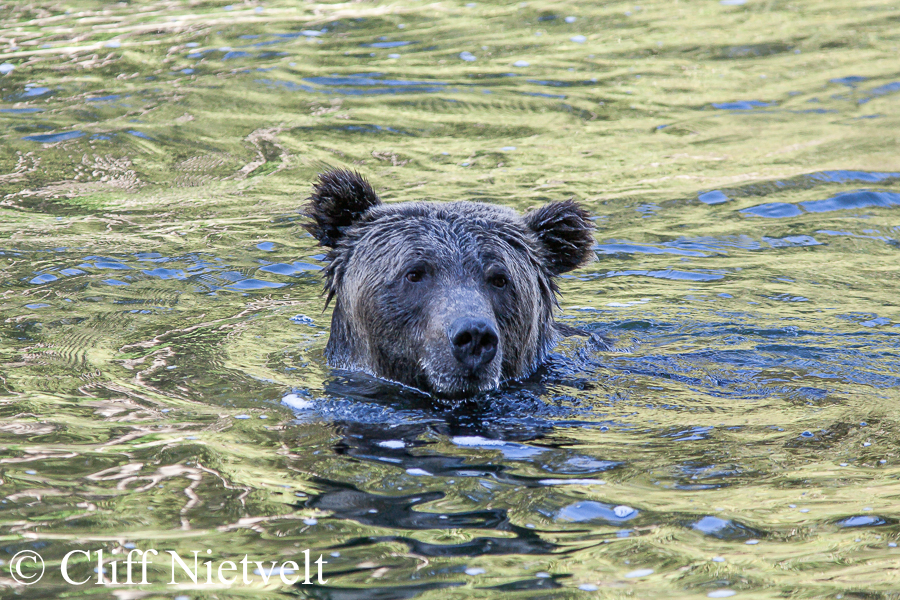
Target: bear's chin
column 460, row 387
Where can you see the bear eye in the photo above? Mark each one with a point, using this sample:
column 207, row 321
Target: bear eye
column 498, row 280
column 415, row 275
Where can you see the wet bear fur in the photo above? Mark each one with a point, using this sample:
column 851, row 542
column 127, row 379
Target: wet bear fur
column 451, row 298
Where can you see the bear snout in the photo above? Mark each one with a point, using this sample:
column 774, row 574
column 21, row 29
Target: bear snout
column 473, row 342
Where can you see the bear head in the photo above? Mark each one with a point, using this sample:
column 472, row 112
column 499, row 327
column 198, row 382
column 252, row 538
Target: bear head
column 450, row 298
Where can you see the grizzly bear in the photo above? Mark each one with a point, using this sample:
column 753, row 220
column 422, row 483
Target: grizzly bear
column 451, row 298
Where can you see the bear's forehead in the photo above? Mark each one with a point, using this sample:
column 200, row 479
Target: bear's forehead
column 451, row 217
column 450, row 212
column 431, row 228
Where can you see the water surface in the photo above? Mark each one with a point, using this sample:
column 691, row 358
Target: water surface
column 162, row 381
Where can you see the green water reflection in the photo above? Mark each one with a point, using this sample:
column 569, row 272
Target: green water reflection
column 162, row 383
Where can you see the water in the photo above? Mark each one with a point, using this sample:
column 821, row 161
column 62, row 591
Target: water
column 163, row 384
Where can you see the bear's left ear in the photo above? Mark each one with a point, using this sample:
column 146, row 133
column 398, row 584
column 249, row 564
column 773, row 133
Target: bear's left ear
column 339, row 199
column 565, row 231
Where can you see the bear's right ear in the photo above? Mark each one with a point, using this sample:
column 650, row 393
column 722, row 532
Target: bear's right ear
column 339, row 199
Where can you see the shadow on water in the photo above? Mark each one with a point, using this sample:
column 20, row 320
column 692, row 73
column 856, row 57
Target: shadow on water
column 398, row 512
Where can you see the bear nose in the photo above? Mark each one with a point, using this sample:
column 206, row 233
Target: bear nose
column 474, row 341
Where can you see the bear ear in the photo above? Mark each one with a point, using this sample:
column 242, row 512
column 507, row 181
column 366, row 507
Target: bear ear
column 339, row 199
column 565, row 231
